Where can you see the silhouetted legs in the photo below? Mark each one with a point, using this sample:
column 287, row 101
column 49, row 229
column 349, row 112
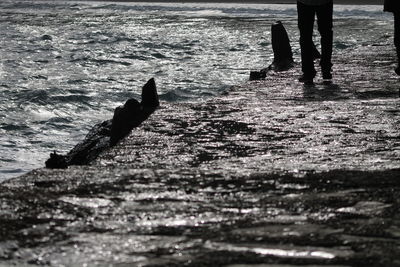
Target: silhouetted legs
column 306, row 18
column 325, row 25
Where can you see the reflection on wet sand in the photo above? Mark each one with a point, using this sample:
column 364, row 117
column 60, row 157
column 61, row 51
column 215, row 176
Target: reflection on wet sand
column 270, row 174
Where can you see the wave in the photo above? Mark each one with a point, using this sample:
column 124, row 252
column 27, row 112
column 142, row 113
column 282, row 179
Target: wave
column 38, row 96
column 43, row 97
column 98, row 62
column 14, row 127
column 175, row 96
column 71, row 98
column 235, row 9
column 191, row 9
column 135, row 57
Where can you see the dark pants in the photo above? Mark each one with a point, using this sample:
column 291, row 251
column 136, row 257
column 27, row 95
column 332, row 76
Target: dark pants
column 397, row 33
column 306, row 18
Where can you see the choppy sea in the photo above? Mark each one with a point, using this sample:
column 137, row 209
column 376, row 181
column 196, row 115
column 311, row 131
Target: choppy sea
column 65, row 65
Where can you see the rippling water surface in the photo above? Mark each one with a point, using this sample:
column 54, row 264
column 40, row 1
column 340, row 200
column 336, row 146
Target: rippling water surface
column 65, row 66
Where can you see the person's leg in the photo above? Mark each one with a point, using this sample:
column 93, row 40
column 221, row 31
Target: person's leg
column 306, row 16
column 397, row 39
column 325, row 25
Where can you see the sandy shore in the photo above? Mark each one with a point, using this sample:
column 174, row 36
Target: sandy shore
column 271, row 172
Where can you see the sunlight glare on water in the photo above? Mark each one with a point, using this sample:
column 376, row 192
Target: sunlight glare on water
column 65, row 66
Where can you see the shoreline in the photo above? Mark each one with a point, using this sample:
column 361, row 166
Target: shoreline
column 265, row 174
column 269, row 172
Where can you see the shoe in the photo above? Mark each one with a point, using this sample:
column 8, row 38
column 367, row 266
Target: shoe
column 306, row 80
column 327, row 78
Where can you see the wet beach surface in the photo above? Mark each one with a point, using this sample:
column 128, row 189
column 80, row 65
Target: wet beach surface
column 271, row 173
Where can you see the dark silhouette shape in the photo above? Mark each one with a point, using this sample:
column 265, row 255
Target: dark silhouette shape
column 97, row 140
column 133, row 113
column 283, row 56
column 110, row 132
column 46, row 37
column 258, row 75
column 56, row 161
column 323, row 9
column 149, row 95
column 394, row 7
column 125, row 118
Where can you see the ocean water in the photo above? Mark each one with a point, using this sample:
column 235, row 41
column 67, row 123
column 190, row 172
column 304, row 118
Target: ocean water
column 65, row 66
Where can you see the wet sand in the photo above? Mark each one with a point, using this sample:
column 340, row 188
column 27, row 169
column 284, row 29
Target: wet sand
column 271, row 173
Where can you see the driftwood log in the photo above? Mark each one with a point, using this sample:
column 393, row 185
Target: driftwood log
column 110, row 132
